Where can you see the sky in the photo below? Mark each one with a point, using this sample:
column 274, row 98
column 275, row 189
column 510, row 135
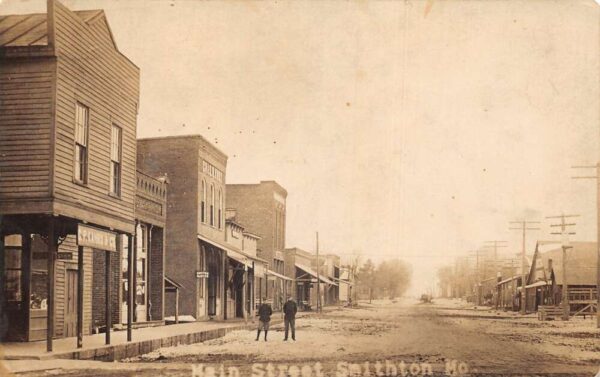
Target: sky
column 408, row 129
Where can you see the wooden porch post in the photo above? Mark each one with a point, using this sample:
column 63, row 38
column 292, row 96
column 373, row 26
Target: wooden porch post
column 26, row 278
column 565, row 287
column 107, row 306
column 244, row 287
column 129, row 284
column 51, row 258
column 80, row 277
column 176, row 305
column 134, row 277
column 2, row 256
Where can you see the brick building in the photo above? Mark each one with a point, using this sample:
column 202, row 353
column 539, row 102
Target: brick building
column 262, row 208
column 197, row 257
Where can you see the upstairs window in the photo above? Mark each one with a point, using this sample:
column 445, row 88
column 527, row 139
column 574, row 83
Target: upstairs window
column 220, row 212
column 203, row 203
column 81, row 143
column 115, row 160
column 212, row 205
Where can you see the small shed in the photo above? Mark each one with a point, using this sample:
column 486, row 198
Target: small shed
column 173, row 287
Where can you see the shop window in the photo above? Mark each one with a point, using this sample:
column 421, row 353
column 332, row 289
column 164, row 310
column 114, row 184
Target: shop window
column 39, row 290
column 13, row 290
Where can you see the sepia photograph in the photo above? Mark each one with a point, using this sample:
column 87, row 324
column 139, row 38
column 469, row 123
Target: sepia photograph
column 299, row 188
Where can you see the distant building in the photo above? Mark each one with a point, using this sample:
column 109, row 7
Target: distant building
column 547, row 277
column 262, row 208
column 246, row 271
column 346, row 284
column 303, row 266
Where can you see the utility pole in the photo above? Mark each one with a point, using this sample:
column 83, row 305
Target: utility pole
column 318, row 278
column 478, row 276
column 597, row 167
column 524, row 228
column 496, row 244
column 565, row 245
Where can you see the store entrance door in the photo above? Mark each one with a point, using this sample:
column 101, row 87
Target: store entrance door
column 71, row 303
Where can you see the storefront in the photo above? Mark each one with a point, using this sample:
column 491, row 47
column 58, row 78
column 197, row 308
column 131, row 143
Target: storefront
column 50, row 285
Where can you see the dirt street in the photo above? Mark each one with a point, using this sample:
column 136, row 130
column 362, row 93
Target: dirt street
column 447, row 336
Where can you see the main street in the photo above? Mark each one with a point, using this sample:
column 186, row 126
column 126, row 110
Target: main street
column 447, row 335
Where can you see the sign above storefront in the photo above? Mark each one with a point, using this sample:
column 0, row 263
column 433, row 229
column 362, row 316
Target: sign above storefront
column 96, row 238
column 65, row 256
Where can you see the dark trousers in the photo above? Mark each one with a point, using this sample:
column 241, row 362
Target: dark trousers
column 290, row 322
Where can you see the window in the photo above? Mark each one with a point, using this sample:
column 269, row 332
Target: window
column 81, row 143
column 212, row 205
column 13, row 290
column 220, row 213
column 142, row 257
column 203, row 203
column 115, row 160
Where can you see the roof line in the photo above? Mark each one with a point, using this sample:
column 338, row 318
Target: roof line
column 25, row 32
column 18, row 23
column 37, row 40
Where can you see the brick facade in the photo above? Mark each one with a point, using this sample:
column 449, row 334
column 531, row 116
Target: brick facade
column 156, row 275
column 98, row 287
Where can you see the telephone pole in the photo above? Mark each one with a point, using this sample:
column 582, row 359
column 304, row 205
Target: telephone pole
column 497, row 271
column 597, row 167
column 478, row 276
column 495, row 244
column 524, row 227
column 565, row 245
column 318, row 278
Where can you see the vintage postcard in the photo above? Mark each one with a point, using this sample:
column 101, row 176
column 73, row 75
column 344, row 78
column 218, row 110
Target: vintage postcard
column 299, row 188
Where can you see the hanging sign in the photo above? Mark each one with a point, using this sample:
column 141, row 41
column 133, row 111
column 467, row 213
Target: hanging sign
column 96, row 238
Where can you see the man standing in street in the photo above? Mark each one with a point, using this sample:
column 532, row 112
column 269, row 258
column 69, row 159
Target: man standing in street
column 264, row 318
column 289, row 309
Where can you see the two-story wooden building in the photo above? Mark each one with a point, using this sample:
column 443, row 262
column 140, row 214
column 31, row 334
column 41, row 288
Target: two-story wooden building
column 68, row 113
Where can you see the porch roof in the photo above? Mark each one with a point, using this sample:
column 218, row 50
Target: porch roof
column 277, row 275
column 309, row 271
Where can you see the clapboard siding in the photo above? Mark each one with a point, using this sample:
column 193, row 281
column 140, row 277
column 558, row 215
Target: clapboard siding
column 91, row 71
column 25, row 128
column 70, row 245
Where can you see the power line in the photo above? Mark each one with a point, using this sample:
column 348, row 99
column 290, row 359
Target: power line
column 565, row 245
column 524, row 228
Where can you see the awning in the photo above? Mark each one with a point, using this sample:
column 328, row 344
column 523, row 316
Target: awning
column 232, row 253
column 239, row 258
column 274, row 275
column 537, row 284
column 507, row 280
column 171, row 284
column 309, row 271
